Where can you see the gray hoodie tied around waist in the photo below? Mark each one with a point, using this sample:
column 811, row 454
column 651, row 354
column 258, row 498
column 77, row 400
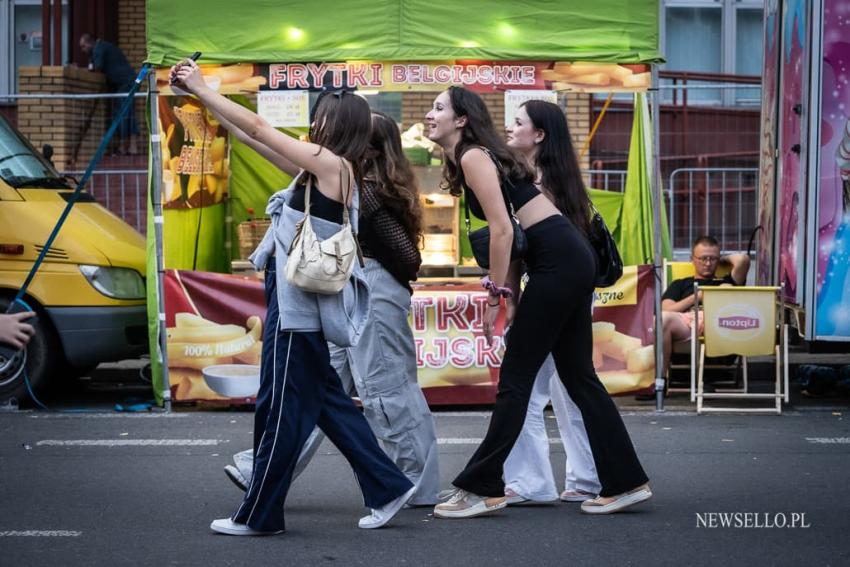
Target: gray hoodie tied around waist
column 341, row 317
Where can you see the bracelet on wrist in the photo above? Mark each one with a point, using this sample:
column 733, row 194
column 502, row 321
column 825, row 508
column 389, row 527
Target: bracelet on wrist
column 494, row 290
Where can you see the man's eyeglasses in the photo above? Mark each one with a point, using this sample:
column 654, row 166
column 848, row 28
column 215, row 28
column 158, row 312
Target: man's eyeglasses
column 707, row 259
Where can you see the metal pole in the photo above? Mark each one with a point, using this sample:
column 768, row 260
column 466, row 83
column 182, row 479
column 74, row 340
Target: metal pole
column 156, row 201
column 658, row 202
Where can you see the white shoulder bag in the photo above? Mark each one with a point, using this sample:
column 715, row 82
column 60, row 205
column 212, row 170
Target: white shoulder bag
column 323, row 266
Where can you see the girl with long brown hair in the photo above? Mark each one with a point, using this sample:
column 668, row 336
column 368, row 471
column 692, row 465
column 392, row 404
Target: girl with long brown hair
column 299, row 389
column 381, row 368
column 552, row 316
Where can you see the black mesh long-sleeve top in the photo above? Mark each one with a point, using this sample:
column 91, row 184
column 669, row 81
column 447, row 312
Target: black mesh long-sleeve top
column 382, row 237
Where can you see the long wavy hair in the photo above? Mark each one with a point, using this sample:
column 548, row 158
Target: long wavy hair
column 342, row 123
column 557, row 162
column 385, row 162
column 479, row 132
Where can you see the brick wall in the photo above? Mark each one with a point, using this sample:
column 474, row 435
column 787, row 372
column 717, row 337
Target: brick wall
column 62, row 122
column 578, row 119
column 131, row 31
column 415, row 105
column 131, row 40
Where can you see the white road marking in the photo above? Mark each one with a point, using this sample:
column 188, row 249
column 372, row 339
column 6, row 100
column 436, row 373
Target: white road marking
column 104, row 415
column 41, row 533
column 129, row 442
column 475, row 440
column 829, row 440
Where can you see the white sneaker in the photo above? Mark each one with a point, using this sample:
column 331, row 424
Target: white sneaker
column 444, row 495
column 620, row 502
column 229, row 527
column 514, row 498
column 236, row 477
column 467, row 505
column 380, row 516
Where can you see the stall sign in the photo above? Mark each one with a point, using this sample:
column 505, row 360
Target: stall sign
column 400, row 76
column 285, row 109
column 515, row 98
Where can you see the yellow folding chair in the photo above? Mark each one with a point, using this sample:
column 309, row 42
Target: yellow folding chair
column 676, row 271
column 745, row 321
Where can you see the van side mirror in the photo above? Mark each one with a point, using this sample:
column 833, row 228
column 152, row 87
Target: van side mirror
column 47, row 152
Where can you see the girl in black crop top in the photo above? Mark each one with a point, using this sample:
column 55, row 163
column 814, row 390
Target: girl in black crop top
column 519, row 190
column 552, row 317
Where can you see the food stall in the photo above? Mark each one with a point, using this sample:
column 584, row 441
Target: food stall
column 208, row 191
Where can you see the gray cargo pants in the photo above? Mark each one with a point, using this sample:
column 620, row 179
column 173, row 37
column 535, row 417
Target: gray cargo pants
column 381, row 370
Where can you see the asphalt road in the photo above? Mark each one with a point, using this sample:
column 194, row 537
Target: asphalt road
column 115, row 489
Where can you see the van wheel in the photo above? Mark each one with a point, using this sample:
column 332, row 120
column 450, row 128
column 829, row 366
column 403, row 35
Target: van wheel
column 37, row 361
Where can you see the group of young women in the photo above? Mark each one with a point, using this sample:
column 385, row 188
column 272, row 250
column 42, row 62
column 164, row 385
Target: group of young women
column 549, row 318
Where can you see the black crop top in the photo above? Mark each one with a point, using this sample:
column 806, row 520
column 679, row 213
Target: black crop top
column 321, row 206
column 519, row 191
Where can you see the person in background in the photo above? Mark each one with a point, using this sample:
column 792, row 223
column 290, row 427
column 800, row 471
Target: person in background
column 552, row 316
column 540, row 133
column 678, row 300
column 381, row 369
column 108, row 59
column 299, row 389
column 14, row 330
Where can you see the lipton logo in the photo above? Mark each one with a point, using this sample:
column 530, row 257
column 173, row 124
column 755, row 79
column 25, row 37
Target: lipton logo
column 738, row 322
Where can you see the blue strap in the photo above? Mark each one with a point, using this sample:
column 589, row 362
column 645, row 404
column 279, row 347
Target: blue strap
column 94, row 161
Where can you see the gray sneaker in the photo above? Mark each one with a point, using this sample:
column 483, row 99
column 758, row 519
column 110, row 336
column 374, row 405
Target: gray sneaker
column 236, row 477
column 467, row 505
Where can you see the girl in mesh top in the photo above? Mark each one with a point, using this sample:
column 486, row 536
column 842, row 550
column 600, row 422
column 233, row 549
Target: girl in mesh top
column 381, row 369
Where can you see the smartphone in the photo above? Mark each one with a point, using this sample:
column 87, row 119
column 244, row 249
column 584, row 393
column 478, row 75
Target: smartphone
column 194, row 57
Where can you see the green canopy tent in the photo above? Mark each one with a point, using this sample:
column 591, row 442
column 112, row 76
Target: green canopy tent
column 266, row 31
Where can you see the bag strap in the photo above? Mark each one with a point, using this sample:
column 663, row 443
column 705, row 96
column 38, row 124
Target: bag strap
column 344, row 181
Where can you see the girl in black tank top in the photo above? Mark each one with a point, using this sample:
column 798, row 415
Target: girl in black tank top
column 520, row 190
column 552, row 317
column 321, row 206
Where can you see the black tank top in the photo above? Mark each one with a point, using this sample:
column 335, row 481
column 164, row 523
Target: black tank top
column 520, row 191
column 320, row 206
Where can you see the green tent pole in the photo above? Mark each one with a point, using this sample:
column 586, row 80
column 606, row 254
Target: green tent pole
column 658, row 198
column 156, row 198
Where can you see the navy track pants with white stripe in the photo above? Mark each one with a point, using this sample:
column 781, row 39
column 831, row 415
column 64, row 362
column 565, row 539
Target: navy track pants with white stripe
column 299, row 389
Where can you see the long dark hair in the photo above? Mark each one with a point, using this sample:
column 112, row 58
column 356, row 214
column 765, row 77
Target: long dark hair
column 342, row 123
column 396, row 183
column 558, row 164
column 478, row 132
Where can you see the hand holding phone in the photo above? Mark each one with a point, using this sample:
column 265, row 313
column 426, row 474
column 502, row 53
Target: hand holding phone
column 194, row 57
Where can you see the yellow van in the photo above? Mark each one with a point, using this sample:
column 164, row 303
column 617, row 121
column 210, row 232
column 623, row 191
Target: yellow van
column 89, row 293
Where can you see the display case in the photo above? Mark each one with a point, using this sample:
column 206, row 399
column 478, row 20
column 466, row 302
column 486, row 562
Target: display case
column 439, row 246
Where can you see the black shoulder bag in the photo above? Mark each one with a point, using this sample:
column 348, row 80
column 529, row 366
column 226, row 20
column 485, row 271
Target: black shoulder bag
column 479, row 239
column 609, row 265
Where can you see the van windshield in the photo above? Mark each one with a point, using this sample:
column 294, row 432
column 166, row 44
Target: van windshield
column 21, row 164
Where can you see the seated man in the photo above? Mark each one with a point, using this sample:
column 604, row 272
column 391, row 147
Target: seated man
column 677, row 302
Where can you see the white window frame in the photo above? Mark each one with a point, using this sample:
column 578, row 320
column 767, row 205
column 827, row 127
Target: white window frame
column 728, row 29
column 6, row 47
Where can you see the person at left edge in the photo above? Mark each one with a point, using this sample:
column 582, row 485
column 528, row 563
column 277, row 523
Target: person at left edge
column 299, row 388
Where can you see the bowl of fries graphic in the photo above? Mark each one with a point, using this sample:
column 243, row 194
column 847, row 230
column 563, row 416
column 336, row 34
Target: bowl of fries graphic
column 233, row 380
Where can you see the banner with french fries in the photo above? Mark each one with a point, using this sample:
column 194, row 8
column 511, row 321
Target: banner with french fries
column 195, row 182
column 623, row 333
column 215, row 328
